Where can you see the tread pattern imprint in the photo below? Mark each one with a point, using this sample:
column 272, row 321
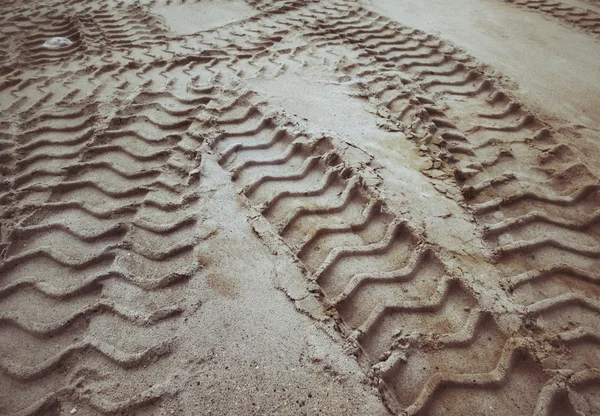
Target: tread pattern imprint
column 77, row 191
column 587, row 19
column 99, row 213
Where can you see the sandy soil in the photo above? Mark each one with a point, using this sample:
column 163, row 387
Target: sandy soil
column 300, row 207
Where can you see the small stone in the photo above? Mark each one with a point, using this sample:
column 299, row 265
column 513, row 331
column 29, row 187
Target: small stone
column 424, row 148
column 73, row 410
column 57, row 43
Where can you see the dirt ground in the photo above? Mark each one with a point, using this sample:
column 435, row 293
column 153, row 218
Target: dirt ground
column 278, row 207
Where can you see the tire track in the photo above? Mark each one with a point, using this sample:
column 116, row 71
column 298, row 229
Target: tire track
column 98, row 209
column 550, row 182
column 390, row 290
column 585, row 19
column 547, row 206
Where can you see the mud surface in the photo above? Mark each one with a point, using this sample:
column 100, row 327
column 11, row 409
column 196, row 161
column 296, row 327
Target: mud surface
column 300, row 207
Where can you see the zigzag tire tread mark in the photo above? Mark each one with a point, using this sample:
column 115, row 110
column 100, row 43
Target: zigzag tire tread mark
column 304, row 189
column 438, row 68
column 122, row 215
column 547, row 207
column 585, row 19
column 389, row 289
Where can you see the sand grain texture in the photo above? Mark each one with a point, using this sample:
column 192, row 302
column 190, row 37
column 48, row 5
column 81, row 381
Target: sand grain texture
column 300, row 207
